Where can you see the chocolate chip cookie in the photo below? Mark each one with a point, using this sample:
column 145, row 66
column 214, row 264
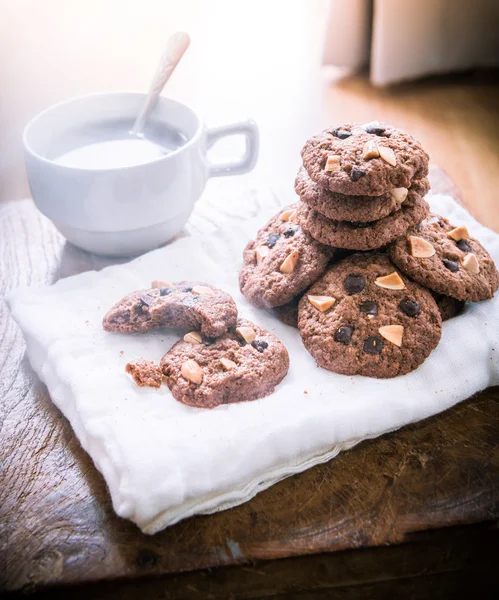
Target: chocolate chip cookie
column 364, row 160
column 184, row 304
column 363, row 318
column 363, row 236
column 281, row 262
column 244, row 364
column 447, row 260
column 353, row 208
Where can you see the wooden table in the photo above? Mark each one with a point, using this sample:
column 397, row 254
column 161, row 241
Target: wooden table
column 413, row 512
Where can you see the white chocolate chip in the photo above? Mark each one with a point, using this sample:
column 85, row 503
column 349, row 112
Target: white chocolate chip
column 470, row 263
column 247, row 333
column 420, row 248
column 193, row 337
column 192, row 372
column 459, row 233
column 393, row 281
column 392, row 333
column 370, row 150
column 289, row 263
column 202, row 290
column 333, row 163
column 388, row 155
column 322, row 303
column 400, row 194
column 286, row 214
column 159, row 283
column 227, row 364
column 261, row 254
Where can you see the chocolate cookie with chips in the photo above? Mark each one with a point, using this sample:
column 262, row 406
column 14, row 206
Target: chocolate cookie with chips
column 362, row 317
column 447, row 260
column 244, row 364
column 184, row 304
column 281, row 262
column 367, row 160
column 363, row 236
column 353, row 208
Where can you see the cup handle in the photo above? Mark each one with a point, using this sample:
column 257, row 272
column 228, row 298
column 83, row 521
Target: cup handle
column 247, row 161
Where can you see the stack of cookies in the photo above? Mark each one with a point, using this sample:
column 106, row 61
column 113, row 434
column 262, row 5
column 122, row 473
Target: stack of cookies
column 377, row 312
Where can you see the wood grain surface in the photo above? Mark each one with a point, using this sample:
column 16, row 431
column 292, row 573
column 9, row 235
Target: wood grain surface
column 57, row 525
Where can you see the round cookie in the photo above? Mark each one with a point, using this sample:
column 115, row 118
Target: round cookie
column 445, row 259
column 288, row 313
column 364, row 160
column 449, row 307
column 281, row 262
column 352, row 208
column 182, row 304
column 244, row 364
column 364, row 236
column 356, row 324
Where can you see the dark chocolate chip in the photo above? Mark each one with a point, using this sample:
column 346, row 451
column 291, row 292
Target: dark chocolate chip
column 369, row 307
column 272, row 239
column 342, row 134
column 463, row 245
column 375, row 128
column 354, row 283
column 259, row 345
column 356, row 174
column 360, row 224
column 186, row 289
column 164, row 291
column 208, row 341
column 290, row 230
column 344, row 335
column 147, row 299
column 190, row 300
column 452, row 265
column 410, row 307
column 373, row 345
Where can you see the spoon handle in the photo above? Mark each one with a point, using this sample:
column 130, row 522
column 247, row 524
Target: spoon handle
column 175, row 48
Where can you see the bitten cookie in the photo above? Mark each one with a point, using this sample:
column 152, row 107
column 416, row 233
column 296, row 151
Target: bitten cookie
column 447, row 260
column 363, row 236
column 353, row 208
column 281, row 262
column 363, row 318
column 368, row 160
column 244, row 364
column 183, row 304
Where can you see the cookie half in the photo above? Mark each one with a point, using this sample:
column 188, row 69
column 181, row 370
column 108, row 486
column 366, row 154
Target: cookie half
column 367, row 160
column 353, row 208
column 447, row 260
column 281, row 262
column 184, row 304
column 364, row 236
column 362, row 317
column 244, row 364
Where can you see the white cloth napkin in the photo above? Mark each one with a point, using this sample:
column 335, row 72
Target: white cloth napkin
column 164, row 461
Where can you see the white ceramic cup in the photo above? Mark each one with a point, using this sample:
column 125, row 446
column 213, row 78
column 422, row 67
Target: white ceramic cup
column 127, row 210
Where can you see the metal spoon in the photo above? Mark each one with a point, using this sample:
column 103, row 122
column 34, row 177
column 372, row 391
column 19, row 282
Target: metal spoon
column 175, row 48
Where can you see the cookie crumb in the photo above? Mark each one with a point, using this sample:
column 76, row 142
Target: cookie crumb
column 145, row 373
